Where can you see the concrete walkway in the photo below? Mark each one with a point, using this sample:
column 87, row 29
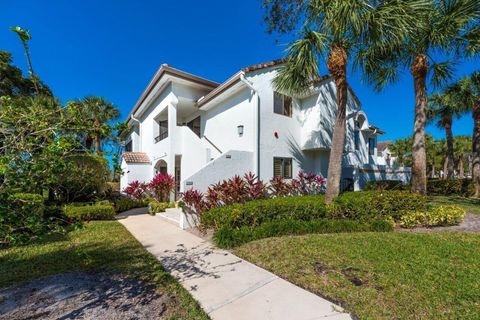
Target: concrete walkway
column 226, row 286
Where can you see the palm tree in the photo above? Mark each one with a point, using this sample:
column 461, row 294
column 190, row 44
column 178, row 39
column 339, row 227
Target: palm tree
column 96, row 115
column 25, row 36
column 447, row 27
column 337, row 30
column 470, row 96
column 442, row 109
column 463, row 153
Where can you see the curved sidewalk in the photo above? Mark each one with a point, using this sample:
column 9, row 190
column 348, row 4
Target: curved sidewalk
column 226, row 286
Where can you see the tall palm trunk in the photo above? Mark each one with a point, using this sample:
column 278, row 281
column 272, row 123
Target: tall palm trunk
column 445, row 168
column 461, row 168
column 337, row 66
column 450, row 157
column 476, row 148
column 97, row 138
column 30, row 67
column 419, row 69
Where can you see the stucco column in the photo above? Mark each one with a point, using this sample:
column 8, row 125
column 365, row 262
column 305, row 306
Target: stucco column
column 172, row 132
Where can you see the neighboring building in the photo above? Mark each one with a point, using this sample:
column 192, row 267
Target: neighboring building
column 385, row 156
column 201, row 132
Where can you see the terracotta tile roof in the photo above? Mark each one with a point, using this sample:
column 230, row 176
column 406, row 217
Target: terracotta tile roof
column 136, row 157
column 381, row 146
column 264, row 65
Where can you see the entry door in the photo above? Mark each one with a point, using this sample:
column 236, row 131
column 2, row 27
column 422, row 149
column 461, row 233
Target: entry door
column 177, row 181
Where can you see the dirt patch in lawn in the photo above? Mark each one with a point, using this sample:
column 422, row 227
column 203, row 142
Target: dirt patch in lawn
column 83, row 295
column 471, row 223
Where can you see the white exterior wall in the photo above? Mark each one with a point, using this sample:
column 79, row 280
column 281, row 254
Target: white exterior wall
column 135, row 172
column 220, row 123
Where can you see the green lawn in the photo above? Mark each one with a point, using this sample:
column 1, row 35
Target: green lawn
column 381, row 275
column 469, row 204
column 98, row 246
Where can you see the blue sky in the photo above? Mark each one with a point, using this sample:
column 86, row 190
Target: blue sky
column 113, row 48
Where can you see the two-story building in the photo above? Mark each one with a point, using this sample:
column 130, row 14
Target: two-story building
column 201, row 132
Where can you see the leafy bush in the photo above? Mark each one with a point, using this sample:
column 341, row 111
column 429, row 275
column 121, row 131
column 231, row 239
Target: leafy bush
column 83, row 178
column 22, row 218
column 227, row 237
column 368, row 205
column 124, row 204
column 89, row 212
column 136, row 190
column 446, row 187
column 382, row 185
column 437, row 216
column 161, row 186
column 157, row 206
column 256, row 212
column 248, row 188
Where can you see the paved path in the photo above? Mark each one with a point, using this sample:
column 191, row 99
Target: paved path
column 226, row 286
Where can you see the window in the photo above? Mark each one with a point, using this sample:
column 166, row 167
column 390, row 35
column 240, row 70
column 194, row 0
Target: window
column 162, row 130
column 282, row 167
column 128, row 146
column 282, row 104
column 194, row 125
column 357, row 139
column 371, row 146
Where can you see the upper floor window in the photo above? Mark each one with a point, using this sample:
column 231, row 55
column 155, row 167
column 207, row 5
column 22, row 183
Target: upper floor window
column 371, row 146
column 282, row 167
column 162, row 130
column 356, row 135
column 282, row 104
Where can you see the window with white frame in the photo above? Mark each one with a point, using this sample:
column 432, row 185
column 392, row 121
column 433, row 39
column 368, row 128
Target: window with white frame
column 282, row 167
column 282, row 104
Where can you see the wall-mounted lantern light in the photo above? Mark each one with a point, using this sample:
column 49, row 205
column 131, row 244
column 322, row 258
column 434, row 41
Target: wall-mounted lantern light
column 240, row 130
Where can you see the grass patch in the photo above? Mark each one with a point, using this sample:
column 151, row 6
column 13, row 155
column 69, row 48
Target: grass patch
column 381, row 275
column 103, row 246
column 470, row 205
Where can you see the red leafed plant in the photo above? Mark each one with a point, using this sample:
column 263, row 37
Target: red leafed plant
column 255, row 187
column 161, row 186
column 279, row 187
column 307, row 183
column 136, row 190
column 195, row 199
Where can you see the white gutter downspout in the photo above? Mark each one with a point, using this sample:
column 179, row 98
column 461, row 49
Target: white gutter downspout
column 139, row 132
column 256, row 121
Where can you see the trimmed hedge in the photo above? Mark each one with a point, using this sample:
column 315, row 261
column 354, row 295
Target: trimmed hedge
column 447, row 187
column 382, row 185
column 157, row 206
column 124, row 204
column 254, row 213
column 227, row 237
column 368, row 205
column 89, row 212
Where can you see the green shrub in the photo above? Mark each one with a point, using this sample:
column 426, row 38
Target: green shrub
column 27, row 204
column 157, row 206
column 227, row 237
column 89, row 212
column 368, row 205
column 254, row 213
column 23, row 218
column 382, row 185
column 446, row 187
column 124, row 204
column 437, row 216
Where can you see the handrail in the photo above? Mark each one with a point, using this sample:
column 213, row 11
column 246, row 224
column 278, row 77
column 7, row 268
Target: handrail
column 220, row 151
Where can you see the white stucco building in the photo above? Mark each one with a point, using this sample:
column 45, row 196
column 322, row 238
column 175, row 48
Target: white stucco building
column 201, row 132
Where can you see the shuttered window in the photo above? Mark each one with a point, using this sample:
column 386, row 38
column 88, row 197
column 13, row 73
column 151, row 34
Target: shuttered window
column 282, row 167
column 282, row 104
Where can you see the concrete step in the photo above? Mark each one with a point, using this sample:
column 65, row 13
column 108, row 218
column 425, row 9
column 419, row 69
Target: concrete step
column 171, row 215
